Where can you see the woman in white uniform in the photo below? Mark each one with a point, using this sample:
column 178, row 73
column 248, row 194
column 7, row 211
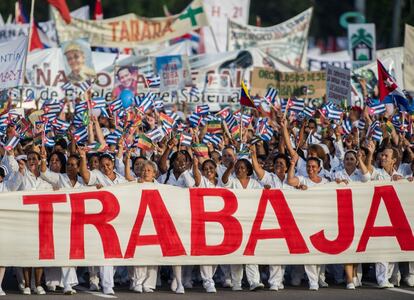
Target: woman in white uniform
column 105, row 176
column 143, row 278
column 313, row 167
column 243, row 170
column 71, row 180
column 354, row 170
column 277, row 180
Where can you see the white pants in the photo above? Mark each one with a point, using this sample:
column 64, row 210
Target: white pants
column 207, row 273
column 252, row 274
column 276, row 274
column 313, row 272
column 106, row 274
column 53, row 277
column 2, row 270
column 384, row 271
column 411, row 268
column 145, row 276
column 69, row 277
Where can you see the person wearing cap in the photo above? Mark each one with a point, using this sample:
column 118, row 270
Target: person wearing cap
column 75, row 58
column 105, row 176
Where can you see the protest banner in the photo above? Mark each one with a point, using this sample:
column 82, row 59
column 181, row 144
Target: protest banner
column 78, row 60
column 130, row 30
column 170, row 69
column 409, row 58
column 338, row 85
column 299, row 84
column 12, row 59
column 126, row 78
column 218, row 12
column 10, row 32
column 147, row 224
column 287, row 41
column 362, row 44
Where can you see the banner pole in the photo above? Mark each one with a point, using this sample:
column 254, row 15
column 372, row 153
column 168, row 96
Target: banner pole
column 214, row 38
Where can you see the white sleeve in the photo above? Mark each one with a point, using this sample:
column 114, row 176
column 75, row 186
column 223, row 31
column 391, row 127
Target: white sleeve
column 51, row 177
column 339, row 149
column 10, row 163
column 266, row 179
column 365, row 177
column 120, row 166
column 14, row 181
column 93, row 177
column 188, row 179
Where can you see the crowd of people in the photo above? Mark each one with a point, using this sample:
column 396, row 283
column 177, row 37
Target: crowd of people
column 73, row 145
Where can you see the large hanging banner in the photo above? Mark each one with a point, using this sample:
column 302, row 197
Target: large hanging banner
column 10, row 32
column 130, row 30
column 137, row 224
column 409, row 58
column 286, row 41
column 12, row 58
column 289, row 84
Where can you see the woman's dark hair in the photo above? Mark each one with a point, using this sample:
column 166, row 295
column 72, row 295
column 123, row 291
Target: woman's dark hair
column 247, row 164
column 62, row 159
column 75, row 156
column 93, row 154
column 62, row 143
column 35, row 153
column 107, row 156
column 138, row 157
column 284, row 157
column 208, row 161
column 172, row 160
column 318, row 160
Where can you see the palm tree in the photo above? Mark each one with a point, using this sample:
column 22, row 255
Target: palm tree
column 361, row 36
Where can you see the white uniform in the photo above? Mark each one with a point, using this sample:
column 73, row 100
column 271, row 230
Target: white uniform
column 276, row 272
column 384, row 271
column 356, row 176
column 67, row 274
column 106, row 272
column 252, row 271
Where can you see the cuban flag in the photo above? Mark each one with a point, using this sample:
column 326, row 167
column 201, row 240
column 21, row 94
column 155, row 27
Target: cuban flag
column 309, row 112
column 295, row 104
column 331, row 111
column 196, row 120
column 202, row 109
column 211, row 138
column 158, row 104
column 361, row 124
column 12, row 143
column 80, row 135
column 230, row 121
column 112, row 139
column 155, row 135
column 67, row 86
column 98, row 102
column 115, row 105
column 80, row 108
column 60, row 124
column 194, row 91
column 54, row 108
column 147, row 102
column 186, row 139
column 153, row 81
column 49, row 117
column 376, row 109
column 49, row 142
column 271, row 95
column 347, row 126
column 224, row 112
column 266, row 132
column 85, row 85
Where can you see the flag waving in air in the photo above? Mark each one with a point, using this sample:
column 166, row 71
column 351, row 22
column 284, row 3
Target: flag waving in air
column 386, row 84
column 245, row 99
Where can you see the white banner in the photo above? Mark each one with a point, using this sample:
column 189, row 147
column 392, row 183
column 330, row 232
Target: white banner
column 409, row 58
column 10, row 32
column 12, row 58
column 286, row 41
column 218, row 12
column 338, row 84
column 137, row 224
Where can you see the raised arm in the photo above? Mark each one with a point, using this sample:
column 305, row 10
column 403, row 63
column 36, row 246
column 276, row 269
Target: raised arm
column 83, row 168
column 286, row 137
column 99, row 133
column 371, row 150
column 256, row 166
column 127, row 164
column 292, row 179
column 164, row 157
column 196, row 172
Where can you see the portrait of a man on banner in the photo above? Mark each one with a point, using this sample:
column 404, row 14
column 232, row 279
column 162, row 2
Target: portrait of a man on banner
column 78, row 60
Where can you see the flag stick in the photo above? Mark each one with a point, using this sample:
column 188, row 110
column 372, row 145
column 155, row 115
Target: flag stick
column 214, row 38
column 241, row 126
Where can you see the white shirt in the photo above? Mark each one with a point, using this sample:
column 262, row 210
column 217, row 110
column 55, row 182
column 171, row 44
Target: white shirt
column 59, row 180
column 186, row 179
column 381, row 174
column 305, row 180
column 356, row 176
column 405, row 170
column 274, row 181
column 97, row 177
column 28, row 181
column 234, row 183
column 205, row 183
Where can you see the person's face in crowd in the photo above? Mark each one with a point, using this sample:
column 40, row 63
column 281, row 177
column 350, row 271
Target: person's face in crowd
column 94, row 163
column 350, row 162
column 310, row 128
column 138, row 166
column 268, row 165
column 280, row 167
column 107, row 166
column 209, row 171
column 228, row 156
column 241, row 170
column 33, row 162
column 72, row 167
column 216, row 157
column 312, row 168
column 58, row 148
column 103, row 121
column 386, row 159
column 54, row 164
column 126, row 78
column 180, row 163
column 76, row 60
column 148, row 173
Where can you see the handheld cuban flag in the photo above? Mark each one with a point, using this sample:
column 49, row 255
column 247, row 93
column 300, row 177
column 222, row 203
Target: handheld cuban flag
column 67, row 86
column 147, row 102
column 196, row 120
column 155, row 135
column 98, row 103
column 194, row 91
column 271, row 95
column 202, row 109
column 245, row 99
column 153, row 81
column 49, row 142
column 84, row 86
column 372, row 127
column 185, row 139
column 230, row 121
column 296, row 105
column 361, row 124
column 257, row 101
column 12, row 143
column 60, row 124
column 333, row 112
column 158, row 104
column 54, row 108
column 376, row 109
column 115, row 105
column 347, row 126
column 80, row 135
column 166, row 119
column 309, row 112
column 211, row 138
column 224, row 112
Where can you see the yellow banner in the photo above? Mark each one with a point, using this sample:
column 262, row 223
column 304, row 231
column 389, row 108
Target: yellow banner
column 129, row 31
